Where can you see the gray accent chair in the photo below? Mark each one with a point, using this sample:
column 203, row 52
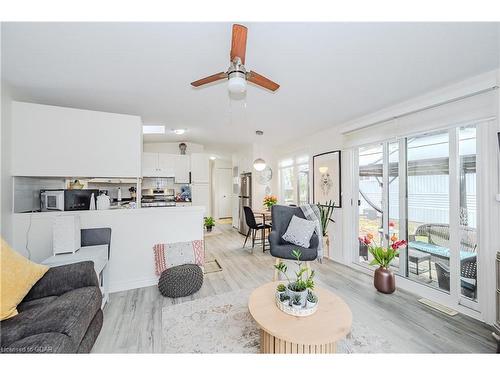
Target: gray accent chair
column 60, row 314
column 281, row 216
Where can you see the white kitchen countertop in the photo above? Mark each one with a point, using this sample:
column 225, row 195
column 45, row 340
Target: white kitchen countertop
column 122, row 211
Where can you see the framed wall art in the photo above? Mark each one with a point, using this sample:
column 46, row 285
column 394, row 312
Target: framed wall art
column 327, row 178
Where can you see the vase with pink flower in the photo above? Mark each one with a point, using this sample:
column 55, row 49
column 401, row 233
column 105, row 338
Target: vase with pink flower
column 384, row 279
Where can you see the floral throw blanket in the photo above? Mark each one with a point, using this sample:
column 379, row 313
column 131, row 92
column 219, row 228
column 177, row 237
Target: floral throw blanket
column 176, row 254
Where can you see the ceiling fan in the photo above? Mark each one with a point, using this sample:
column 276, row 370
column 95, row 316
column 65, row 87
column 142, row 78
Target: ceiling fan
column 237, row 75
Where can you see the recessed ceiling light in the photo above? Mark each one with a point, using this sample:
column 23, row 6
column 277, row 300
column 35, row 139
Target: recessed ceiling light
column 213, row 157
column 179, row 131
column 153, row 129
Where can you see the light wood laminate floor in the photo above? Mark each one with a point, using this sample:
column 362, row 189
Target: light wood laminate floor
column 132, row 319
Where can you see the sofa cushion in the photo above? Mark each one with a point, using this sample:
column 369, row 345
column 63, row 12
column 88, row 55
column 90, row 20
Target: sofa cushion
column 69, row 314
column 51, row 342
column 300, row 231
column 35, row 303
column 18, row 275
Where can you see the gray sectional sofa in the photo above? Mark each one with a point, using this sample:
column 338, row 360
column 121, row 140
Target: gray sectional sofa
column 61, row 313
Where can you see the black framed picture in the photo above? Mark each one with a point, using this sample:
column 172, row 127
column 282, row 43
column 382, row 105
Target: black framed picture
column 327, row 178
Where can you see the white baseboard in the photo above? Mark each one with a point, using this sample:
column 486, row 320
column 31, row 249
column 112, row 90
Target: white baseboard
column 132, row 284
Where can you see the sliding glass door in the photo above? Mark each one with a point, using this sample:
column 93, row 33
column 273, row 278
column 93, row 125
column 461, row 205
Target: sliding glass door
column 406, row 191
column 370, row 208
column 428, row 186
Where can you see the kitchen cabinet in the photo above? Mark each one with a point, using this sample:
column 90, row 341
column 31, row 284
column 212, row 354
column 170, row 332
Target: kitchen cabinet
column 150, row 164
column 200, row 196
column 67, row 142
column 166, row 164
column 156, row 164
column 181, row 169
column 200, row 171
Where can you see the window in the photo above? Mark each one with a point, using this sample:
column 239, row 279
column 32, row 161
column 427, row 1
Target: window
column 294, row 180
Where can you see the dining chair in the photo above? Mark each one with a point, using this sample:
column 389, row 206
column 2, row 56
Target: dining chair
column 253, row 227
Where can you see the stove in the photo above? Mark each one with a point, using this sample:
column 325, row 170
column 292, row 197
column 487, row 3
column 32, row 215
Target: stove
column 158, row 198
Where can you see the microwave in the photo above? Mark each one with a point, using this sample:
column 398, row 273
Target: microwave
column 66, row 199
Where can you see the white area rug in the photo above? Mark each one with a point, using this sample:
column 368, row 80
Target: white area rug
column 222, row 324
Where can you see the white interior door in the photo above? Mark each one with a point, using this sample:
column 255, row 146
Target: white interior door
column 224, row 184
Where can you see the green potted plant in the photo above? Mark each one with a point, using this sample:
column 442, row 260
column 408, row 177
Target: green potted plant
column 302, row 282
column 384, row 279
column 297, row 301
column 284, row 299
column 269, row 201
column 326, row 212
column 312, row 299
column 281, row 289
column 209, row 223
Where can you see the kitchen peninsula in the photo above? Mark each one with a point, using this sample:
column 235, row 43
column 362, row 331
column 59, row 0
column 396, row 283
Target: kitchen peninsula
column 134, row 232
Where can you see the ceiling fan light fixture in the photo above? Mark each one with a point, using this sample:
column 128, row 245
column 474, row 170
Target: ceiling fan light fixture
column 237, row 84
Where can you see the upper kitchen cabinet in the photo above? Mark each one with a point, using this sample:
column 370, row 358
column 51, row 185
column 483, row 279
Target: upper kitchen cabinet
column 156, row 164
column 68, row 142
column 150, row 167
column 200, row 168
column 166, row 165
column 181, row 169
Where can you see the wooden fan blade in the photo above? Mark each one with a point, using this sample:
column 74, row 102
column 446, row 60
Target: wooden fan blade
column 239, row 43
column 209, row 79
column 262, row 81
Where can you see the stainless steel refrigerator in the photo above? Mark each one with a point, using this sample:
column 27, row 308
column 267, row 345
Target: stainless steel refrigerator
column 245, row 199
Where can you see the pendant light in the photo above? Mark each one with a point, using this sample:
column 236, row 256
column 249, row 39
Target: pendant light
column 259, row 164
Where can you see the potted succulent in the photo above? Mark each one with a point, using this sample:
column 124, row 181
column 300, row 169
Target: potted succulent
column 326, row 212
column 303, row 279
column 281, row 289
column 269, row 201
column 384, row 279
column 209, row 223
column 285, row 299
column 312, row 299
column 297, row 301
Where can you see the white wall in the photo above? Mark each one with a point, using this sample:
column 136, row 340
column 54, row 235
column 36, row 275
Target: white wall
column 258, row 190
column 6, row 183
column 172, row 147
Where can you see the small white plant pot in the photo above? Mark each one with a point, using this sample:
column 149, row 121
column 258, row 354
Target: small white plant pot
column 303, row 295
column 285, row 303
column 310, row 305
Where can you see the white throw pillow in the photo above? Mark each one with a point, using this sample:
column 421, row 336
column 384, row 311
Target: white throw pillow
column 299, row 231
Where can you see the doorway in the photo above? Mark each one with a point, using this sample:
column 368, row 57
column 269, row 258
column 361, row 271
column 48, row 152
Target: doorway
column 223, row 191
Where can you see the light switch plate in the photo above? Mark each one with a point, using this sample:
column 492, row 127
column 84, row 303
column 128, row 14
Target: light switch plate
column 498, row 197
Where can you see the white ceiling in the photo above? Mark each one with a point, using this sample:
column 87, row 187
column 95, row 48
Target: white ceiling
column 329, row 72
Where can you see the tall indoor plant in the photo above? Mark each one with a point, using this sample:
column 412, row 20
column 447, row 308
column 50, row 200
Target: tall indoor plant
column 326, row 212
column 383, row 279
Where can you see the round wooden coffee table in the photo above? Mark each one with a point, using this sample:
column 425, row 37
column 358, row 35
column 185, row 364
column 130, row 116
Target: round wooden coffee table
column 283, row 333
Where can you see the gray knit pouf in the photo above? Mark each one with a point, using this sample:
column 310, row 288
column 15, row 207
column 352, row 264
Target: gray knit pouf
column 180, row 281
